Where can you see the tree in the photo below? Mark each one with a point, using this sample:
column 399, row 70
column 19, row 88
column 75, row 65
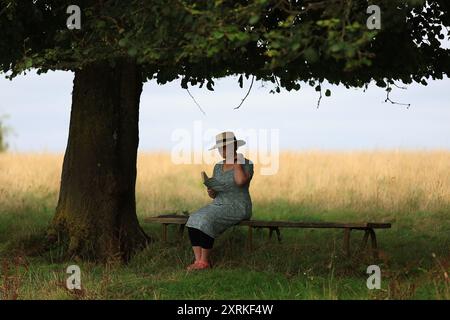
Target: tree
column 122, row 44
column 4, row 130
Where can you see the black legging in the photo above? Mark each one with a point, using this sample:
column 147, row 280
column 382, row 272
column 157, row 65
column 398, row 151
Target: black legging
column 200, row 239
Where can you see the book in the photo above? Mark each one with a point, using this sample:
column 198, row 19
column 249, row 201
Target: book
column 204, row 176
column 211, row 182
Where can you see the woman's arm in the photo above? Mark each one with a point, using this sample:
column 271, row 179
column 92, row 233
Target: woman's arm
column 212, row 193
column 241, row 177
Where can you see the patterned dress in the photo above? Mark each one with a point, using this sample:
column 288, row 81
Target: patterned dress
column 231, row 204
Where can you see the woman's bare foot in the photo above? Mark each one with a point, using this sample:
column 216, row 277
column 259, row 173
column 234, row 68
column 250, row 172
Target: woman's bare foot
column 192, row 266
column 199, row 265
column 202, row 265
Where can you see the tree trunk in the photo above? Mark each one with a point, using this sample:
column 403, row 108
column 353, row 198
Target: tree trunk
column 96, row 211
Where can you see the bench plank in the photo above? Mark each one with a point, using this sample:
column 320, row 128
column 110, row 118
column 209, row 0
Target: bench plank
column 279, row 223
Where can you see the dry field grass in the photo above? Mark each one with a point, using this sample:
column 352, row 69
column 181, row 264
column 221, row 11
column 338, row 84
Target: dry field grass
column 395, row 181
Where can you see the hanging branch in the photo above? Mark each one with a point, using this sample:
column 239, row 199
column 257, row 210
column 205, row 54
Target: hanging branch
column 366, row 86
column 248, row 92
column 396, row 85
column 278, row 84
column 196, row 102
column 320, row 94
column 320, row 98
column 388, row 99
column 277, row 89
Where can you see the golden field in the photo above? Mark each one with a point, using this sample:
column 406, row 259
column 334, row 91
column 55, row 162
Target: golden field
column 363, row 181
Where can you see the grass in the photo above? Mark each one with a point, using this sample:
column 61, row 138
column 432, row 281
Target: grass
column 410, row 189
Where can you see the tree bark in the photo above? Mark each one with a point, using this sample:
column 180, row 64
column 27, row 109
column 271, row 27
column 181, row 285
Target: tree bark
column 96, row 211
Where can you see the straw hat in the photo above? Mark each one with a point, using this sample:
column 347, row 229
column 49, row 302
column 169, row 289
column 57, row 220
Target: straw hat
column 226, row 138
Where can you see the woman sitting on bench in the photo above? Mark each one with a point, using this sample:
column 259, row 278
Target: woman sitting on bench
column 231, row 199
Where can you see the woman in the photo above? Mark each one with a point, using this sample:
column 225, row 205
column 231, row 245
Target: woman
column 231, row 204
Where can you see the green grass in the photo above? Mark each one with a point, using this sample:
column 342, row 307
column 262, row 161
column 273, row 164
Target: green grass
column 308, row 264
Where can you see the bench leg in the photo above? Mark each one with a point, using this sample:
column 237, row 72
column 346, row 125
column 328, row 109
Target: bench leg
column 374, row 246
column 181, row 230
column 347, row 241
column 277, row 230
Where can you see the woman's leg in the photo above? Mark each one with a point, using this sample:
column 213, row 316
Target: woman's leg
column 205, row 255
column 206, row 244
column 195, row 242
column 197, row 252
column 201, row 244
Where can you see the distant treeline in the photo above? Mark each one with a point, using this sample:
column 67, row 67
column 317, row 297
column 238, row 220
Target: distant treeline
column 3, row 134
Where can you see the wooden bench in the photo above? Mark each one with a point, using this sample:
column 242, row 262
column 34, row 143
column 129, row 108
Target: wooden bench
column 367, row 227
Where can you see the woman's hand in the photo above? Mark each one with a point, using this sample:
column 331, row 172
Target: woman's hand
column 211, row 193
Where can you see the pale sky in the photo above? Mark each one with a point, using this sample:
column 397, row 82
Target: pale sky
column 38, row 109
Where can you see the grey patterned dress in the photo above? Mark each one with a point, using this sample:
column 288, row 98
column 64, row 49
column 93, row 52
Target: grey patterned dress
column 231, row 204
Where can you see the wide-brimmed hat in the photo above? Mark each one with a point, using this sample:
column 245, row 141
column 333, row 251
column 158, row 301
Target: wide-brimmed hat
column 226, row 138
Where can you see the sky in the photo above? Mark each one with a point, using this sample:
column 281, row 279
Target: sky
column 37, row 109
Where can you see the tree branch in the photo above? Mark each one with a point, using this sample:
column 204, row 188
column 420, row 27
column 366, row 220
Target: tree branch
column 388, row 99
column 248, row 92
column 196, row 102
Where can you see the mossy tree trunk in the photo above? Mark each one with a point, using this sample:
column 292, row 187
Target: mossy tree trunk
column 96, row 211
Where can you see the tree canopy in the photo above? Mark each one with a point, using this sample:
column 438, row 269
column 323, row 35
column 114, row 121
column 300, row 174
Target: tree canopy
column 281, row 41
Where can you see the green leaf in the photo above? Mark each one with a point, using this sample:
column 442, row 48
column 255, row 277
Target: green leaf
column 212, row 51
column 101, row 24
column 310, row 55
column 295, row 46
column 272, row 53
column 275, row 44
column 132, row 51
column 28, row 63
column 336, row 47
column 123, row 42
column 243, row 36
column 253, row 19
column 218, row 34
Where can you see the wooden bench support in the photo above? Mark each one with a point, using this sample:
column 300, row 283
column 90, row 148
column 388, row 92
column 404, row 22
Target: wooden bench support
column 374, row 246
column 271, row 230
column 367, row 227
column 277, row 230
column 164, row 231
column 180, row 231
column 368, row 233
column 165, row 228
column 347, row 241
